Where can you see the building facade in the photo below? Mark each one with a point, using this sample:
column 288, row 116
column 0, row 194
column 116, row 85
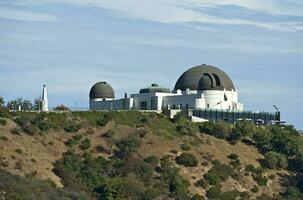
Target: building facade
column 198, row 89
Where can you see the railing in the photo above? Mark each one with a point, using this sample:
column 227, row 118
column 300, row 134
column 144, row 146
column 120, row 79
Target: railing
column 232, row 116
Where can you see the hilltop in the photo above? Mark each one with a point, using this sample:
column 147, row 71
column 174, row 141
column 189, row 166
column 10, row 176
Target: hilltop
column 135, row 155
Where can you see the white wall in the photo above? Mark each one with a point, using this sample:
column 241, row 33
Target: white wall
column 209, row 99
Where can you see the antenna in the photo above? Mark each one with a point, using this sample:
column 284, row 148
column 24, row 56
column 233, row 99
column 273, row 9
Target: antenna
column 276, row 107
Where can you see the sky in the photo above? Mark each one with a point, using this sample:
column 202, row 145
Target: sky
column 72, row 44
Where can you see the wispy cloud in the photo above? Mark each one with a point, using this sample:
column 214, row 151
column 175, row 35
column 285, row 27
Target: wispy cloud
column 181, row 11
column 21, row 15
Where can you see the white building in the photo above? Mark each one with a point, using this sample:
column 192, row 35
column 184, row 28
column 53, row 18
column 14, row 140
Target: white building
column 200, row 87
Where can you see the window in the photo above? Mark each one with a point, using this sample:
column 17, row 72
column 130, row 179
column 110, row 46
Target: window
column 218, row 82
column 143, row 105
column 225, row 97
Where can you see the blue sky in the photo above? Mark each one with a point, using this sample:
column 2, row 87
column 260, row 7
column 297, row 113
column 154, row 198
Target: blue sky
column 71, row 44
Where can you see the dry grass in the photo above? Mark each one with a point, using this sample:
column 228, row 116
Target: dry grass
column 39, row 154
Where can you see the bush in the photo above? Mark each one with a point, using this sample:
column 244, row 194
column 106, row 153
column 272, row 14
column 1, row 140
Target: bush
column 213, row 192
column 19, row 165
column 61, row 108
column 19, row 151
column 250, row 168
column 3, row 122
column 104, row 119
column 187, row 159
column 17, row 188
column 255, row 189
column 293, row 193
column 16, row 131
column 274, row 160
column 3, row 138
column 41, row 122
column 153, row 160
column 109, row 133
column 202, row 183
column 197, row 197
column 260, row 179
column 85, row 144
column 128, row 145
column 185, row 147
column 222, row 171
column 233, row 156
column 212, row 178
column 26, row 125
column 72, row 127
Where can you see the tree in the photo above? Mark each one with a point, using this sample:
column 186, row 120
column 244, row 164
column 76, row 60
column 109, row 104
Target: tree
column 61, row 108
column 275, row 160
column 2, row 102
column 187, row 159
column 19, row 102
column 37, row 103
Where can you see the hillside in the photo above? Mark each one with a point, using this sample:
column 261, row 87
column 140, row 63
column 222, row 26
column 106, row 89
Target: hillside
column 133, row 155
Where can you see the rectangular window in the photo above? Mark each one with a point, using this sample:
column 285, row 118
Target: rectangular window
column 143, row 105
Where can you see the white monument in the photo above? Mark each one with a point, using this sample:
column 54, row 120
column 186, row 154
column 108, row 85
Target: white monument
column 44, row 107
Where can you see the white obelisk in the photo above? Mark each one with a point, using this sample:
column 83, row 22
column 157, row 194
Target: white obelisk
column 44, row 107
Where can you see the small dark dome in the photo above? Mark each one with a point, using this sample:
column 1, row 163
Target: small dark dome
column 154, row 88
column 101, row 90
column 204, row 77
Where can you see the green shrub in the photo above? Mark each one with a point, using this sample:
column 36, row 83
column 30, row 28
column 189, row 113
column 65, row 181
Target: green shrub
column 293, row 193
column 187, row 159
column 235, row 163
column 85, row 144
column 41, row 122
column 19, row 165
column 213, row 192
column 260, row 179
column 202, row 183
column 71, row 142
column 19, row 151
column 273, row 160
column 223, row 171
column 26, row 125
column 51, row 143
column 127, row 145
column 3, row 138
column 272, row 177
column 109, row 133
column 250, row 168
column 72, row 127
column 233, row 156
column 255, row 189
column 104, row 119
column 3, row 122
column 20, row 188
column 185, row 147
column 16, row 131
column 212, row 178
column 197, row 197
column 153, row 160
column 4, row 113
column 229, row 195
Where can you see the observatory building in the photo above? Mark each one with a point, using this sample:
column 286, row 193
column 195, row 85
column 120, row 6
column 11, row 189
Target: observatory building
column 204, row 92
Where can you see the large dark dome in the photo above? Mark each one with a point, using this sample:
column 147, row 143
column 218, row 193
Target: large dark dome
column 102, row 90
column 204, row 77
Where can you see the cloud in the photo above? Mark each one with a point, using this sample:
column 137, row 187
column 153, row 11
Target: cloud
column 181, row 11
column 274, row 7
column 21, row 15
